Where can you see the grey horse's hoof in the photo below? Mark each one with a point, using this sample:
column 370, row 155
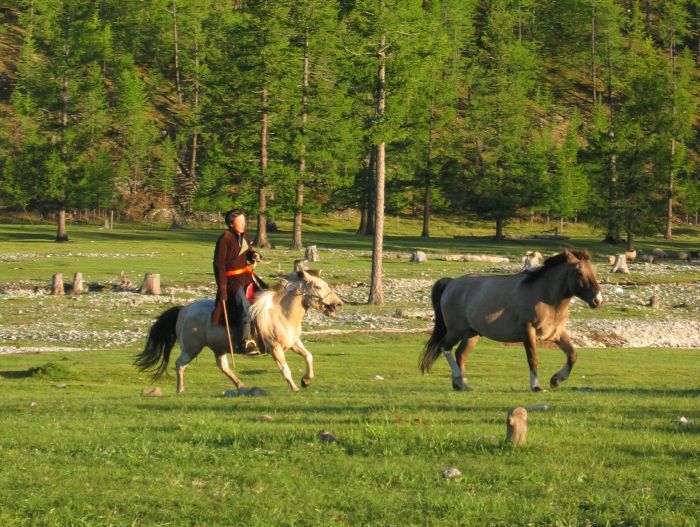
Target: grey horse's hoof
column 305, row 382
column 460, row 386
column 537, row 389
column 554, row 382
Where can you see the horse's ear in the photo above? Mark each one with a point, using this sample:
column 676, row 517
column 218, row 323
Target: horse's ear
column 570, row 257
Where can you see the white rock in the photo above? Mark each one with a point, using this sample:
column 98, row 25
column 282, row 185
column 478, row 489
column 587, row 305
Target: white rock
column 451, row 473
column 378, row 378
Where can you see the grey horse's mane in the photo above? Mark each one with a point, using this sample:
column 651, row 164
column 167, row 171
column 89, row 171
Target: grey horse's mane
column 554, row 261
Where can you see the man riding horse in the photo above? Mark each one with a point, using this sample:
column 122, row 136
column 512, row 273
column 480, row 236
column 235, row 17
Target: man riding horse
column 234, row 259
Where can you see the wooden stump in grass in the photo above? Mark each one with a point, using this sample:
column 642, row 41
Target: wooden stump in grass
column 301, row 265
column 516, row 426
column 57, row 284
column 78, row 287
column 151, row 284
column 312, row 254
column 124, row 283
column 620, row 264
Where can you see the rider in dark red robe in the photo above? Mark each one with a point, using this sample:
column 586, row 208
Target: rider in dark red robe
column 233, row 269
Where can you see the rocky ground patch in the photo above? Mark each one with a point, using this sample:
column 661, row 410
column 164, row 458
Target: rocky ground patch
column 35, row 321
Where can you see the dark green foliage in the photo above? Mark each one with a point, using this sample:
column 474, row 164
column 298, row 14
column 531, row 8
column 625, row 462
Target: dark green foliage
column 498, row 108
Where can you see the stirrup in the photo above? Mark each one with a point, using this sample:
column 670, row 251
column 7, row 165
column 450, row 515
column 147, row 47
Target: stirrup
column 251, row 347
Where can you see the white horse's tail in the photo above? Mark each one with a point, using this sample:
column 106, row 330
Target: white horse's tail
column 160, row 342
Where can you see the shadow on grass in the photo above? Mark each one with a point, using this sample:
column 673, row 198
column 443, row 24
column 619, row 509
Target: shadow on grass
column 648, row 392
column 16, row 374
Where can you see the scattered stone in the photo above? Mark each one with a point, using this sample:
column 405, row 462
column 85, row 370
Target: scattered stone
column 33, row 404
column 265, row 417
column 419, row 257
column 516, row 426
column 61, row 385
column 152, row 392
column 540, row 407
column 377, row 378
column 476, row 258
column 451, row 473
column 658, row 253
column 585, row 389
column 326, row 437
column 684, row 421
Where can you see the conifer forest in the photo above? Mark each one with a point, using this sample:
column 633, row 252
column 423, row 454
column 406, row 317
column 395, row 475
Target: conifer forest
column 573, row 110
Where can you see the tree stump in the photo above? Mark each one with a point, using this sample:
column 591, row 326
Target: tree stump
column 301, row 265
column 124, row 283
column 532, row 260
column 57, row 284
column 654, row 302
column 620, row 264
column 151, row 284
column 78, row 287
column 516, row 426
column 312, row 254
column 631, row 255
column 419, row 257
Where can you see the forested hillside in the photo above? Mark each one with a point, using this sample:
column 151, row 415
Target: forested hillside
column 570, row 109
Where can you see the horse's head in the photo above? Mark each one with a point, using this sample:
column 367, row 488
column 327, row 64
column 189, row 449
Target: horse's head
column 318, row 294
column 581, row 277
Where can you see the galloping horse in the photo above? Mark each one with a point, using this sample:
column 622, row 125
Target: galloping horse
column 277, row 314
column 512, row 308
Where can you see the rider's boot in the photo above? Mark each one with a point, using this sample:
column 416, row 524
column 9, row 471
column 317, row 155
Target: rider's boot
column 249, row 344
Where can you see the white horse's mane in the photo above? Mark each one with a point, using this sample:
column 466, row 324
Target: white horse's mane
column 271, row 319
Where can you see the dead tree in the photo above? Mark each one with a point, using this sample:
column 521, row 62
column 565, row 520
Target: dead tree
column 312, row 254
column 78, row 286
column 151, row 284
column 620, row 264
column 57, row 284
column 516, row 426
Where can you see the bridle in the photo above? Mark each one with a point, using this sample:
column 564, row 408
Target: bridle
column 309, row 296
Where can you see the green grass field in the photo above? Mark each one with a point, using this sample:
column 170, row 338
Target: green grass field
column 608, row 451
column 80, row 445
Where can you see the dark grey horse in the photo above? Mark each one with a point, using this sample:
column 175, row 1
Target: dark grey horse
column 512, row 308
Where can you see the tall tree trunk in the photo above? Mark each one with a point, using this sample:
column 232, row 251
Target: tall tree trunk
column 261, row 237
column 669, row 196
column 366, row 174
column 296, row 237
column 178, row 89
column 61, row 234
column 593, row 44
column 376, row 294
column 186, row 174
column 499, row 228
column 630, row 241
column 428, row 178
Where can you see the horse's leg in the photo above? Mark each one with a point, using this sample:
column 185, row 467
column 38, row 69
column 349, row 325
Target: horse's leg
column 565, row 345
column 463, row 350
column 180, row 364
column 530, row 342
column 446, row 347
column 222, row 363
column 278, row 354
column 299, row 348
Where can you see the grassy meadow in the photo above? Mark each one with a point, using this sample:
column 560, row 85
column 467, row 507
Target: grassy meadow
column 80, row 445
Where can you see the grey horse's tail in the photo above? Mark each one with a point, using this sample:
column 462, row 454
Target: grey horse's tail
column 161, row 339
column 432, row 347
